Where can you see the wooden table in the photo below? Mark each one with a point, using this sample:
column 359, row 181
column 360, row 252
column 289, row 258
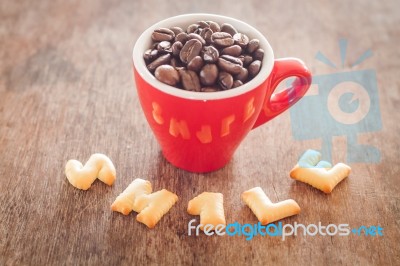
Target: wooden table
column 66, row 91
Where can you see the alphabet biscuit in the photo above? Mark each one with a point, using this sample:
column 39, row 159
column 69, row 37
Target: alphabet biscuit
column 210, row 207
column 125, row 202
column 266, row 211
column 152, row 207
column 98, row 166
column 319, row 174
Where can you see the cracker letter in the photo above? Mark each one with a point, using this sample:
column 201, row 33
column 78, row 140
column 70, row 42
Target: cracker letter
column 266, row 211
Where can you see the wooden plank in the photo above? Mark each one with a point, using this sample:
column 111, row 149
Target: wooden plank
column 66, row 91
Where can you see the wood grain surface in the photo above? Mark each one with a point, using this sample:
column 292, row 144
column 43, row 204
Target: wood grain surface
column 66, row 91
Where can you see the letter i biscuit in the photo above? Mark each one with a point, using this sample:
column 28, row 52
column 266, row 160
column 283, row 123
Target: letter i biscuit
column 319, row 174
column 266, row 211
column 125, row 202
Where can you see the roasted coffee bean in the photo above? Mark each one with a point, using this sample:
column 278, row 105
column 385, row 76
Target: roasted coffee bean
column 214, row 26
column 225, row 80
column 230, row 64
column 150, row 55
column 206, row 35
column 197, row 37
column 205, row 57
column 190, row 50
column 210, row 54
column 195, row 64
column 254, row 68
column 162, row 60
column 228, row 28
column 209, row 74
column 253, row 45
column 164, row 47
column 234, row 50
column 181, row 37
column 176, row 30
column 258, row 54
column 246, row 59
column 237, row 83
column 198, row 31
column 190, row 80
column 192, row 28
column 167, row 74
column 241, row 39
column 203, row 24
column 176, row 48
column 243, row 75
column 176, row 63
column 222, row 39
column 163, row 34
column 209, row 89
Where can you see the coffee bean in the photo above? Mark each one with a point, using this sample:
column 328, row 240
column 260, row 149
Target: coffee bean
column 192, row 28
column 206, row 35
column 195, row 64
column 237, row 83
column 214, row 26
column 181, row 37
column 176, row 63
column 203, row 24
column 197, row 37
column 190, row 50
column 222, row 39
column 209, row 74
column 230, row 64
column 150, row 55
column 228, row 28
column 176, row 30
column 253, row 45
column 243, row 75
column 190, row 80
column 163, row 34
column 198, row 31
column 225, row 80
column 205, row 57
column 254, row 68
column 241, row 39
column 210, row 54
column 164, row 59
column 246, row 59
column 176, row 48
column 258, row 54
column 234, row 50
column 209, row 89
column 164, row 47
column 167, row 74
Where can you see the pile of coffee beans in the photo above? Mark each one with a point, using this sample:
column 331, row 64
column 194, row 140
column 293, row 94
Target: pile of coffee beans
column 205, row 57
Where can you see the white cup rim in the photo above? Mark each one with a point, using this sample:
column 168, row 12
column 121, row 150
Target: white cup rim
column 144, row 42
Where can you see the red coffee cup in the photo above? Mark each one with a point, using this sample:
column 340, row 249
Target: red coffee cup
column 200, row 131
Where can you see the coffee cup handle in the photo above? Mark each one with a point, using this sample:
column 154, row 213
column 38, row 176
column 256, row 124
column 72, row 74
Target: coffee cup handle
column 276, row 103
